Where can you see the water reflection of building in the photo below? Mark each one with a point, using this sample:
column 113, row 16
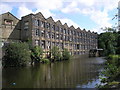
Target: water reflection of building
column 47, row 33
column 80, row 72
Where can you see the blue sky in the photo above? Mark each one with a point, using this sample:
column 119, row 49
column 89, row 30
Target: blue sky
column 89, row 14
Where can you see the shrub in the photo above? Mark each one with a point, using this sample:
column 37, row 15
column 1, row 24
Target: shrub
column 16, row 54
column 45, row 60
column 56, row 55
column 65, row 54
column 36, row 53
column 114, row 59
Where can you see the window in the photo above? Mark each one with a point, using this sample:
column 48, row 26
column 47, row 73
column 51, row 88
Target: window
column 62, row 45
column 48, row 35
column 43, row 33
column 64, row 31
column 64, row 37
column 61, row 37
column 57, row 28
column 75, row 33
column 53, row 35
column 78, row 34
column 70, row 32
column 8, row 22
column 26, row 23
column 48, row 45
column 57, row 44
column 70, row 38
column 53, row 43
column 61, row 30
column 78, row 47
column 36, row 42
column 66, row 44
column 37, row 22
column 43, row 44
column 48, row 25
column 37, row 32
column 57, row 36
column 43, row 24
column 53, row 27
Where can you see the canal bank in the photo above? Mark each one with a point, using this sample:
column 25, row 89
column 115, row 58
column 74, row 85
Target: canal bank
column 80, row 72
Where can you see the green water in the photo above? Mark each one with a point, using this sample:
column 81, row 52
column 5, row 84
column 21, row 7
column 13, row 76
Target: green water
column 80, row 72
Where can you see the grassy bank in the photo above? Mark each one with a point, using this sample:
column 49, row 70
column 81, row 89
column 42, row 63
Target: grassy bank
column 110, row 77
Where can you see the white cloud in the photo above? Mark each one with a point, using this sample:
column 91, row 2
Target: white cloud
column 87, row 2
column 49, row 4
column 72, row 7
column 46, row 13
column 5, row 8
column 43, row 6
column 101, row 18
column 23, row 10
column 97, row 10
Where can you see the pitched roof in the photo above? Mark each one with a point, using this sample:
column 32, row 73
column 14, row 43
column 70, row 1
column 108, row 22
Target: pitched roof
column 50, row 19
column 59, row 22
column 65, row 25
column 10, row 14
column 84, row 30
column 39, row 14
column 72, row 27
column 79, row 29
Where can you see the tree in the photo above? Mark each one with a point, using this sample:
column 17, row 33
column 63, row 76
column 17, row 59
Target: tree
column 107, row 41
column 56, row 55
column 65, row 54
column 16, row 54
column 36, row 53
column 118, row 43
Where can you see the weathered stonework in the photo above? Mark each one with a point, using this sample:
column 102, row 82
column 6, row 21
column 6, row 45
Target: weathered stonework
column 47, row 33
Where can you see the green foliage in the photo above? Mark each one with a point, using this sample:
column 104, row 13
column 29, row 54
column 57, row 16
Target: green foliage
column 113, row 57
column 56, row 54
column 65, row 54
column 45, row 60
column 111, row 72
column 36, row 53
column 108, row 41
column 16, row 54
column 118, row 43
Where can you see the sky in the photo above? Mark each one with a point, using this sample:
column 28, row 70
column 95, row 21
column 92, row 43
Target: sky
column 87, row 14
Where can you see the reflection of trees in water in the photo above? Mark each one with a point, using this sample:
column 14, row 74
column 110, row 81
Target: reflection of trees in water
column 65, row 74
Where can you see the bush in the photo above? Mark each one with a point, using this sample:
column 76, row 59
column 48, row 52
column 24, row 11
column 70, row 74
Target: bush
column 56, row 55
column 111, row 71
column 45, row 60
column 36, row 53
column 16, row 54
column 65, row 54
column 114, row 59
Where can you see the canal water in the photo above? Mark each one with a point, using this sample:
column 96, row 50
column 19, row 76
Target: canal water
column 80, row 72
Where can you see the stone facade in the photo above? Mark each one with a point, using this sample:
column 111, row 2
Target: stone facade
column 9, row 27
column 47, row 33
